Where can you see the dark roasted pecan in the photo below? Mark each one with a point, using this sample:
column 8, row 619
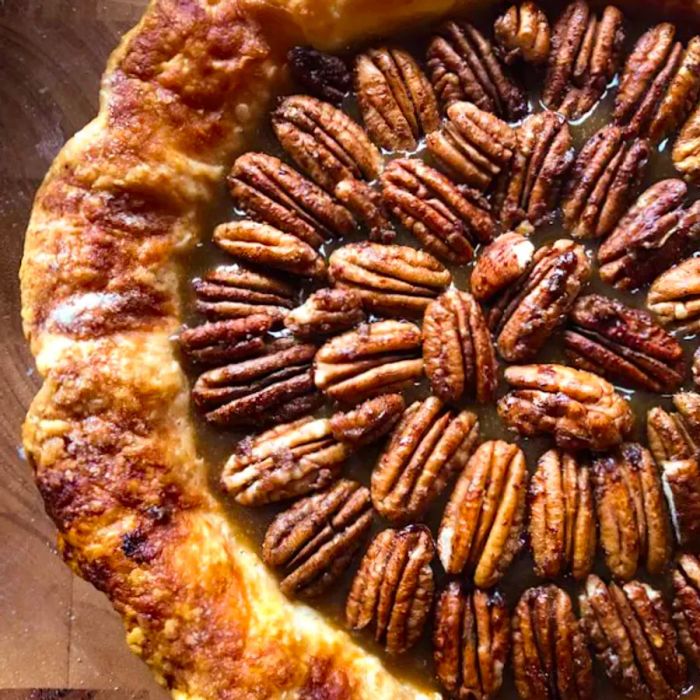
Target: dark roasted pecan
column 550, row 654
column 471, row 639
column 482, row 524
column 325, row 142
column 634, row 524
column 682, row 487
column 313, row 542
column 653, row 235
column 429, row 446
column 605, row 177
column 674, row 436
column 584, row 58
column 463, row 66
column 449, row 220
column 326, row 312
column 623, row 344
column 674, row 296
column 369, row 421
column 562, row 516
column 396, row 99
column 367, row 205
column 390, row 279
column 631, row 631
column 686, row 605
column 523, row 33
column 579, row 408
column 457, row 349
column 393, row 588
column 696, row 366
column 686, row 149
column 321, row 74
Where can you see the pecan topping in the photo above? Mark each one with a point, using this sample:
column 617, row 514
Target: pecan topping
column 686, row 604
column 623, row 344
column 450, row 221
column 686, row 149
column 696, row 366
column 676, row 435
column 369, row 421
column 471, row 639
column 429, row 446
column 529, row 311
column 523, row 33
column 632, row 634
column 550, row 655
column 463, row 66
column 631, row 510
column 326, row 312
column 367, row 205
column 457, row 349
column 314, row 541
column 390, row 279
column 584, row 58
column 653, row 235
column 376, row 358
column 483, row 521
column 579, row 408
column 675, row 296
column 606, row 176
column 325, row 142
column 681, row 479
column 396, row 99
column 562, row 518
column 393, row 588
column 321, row 74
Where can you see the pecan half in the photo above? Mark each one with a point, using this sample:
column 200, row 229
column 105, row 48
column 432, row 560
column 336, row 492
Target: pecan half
column 471, row 639
column 675, row 435
column 450, row 221
column 578, row 408
column 313, row 542
column 482, row 524
column 376, row 358
column 686, row 149
column 606, row 176
column 551, row 660
column 562, row 522
column 393, row 588
column 674, row 296
column 367, row 204
column 322, row 75
column 623, row 344
column 653, row 235
column 584, row 58
column 686, row 605
column 390, row 279
column 325, row 142
column 369, row 421
column 457, row 349
column 395, row 97
column 429, row 446
column 326, row 312
column 631, row 631
column 463, row 66
column 523, row 33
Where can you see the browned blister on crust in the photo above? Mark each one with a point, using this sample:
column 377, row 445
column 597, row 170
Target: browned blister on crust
column 482, row 525
column 471, row 640
column 326, row 312
column 428, row 447
column 370, row 421
column 523, row 33
column 686, row 604
column 367, row 205
column 674, row 296
column 551, row 660
column 393, row 589
column 562, row 525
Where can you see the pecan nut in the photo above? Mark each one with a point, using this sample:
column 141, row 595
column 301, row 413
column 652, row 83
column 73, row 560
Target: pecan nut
column 396, row 99
column 674, row 296
column 367, row 205
column 449, row 220
column 326, row 312
column 471, row 640
column 675, row 435
column 322, row 75
column 390, row 279
column 562, row 524
column 631, row 631
column 551, row 660
column 686, row 149
column 369, row 421
column 313, row 542
column 429, row 446
column 523, row 33
column 686, row 605
column 584, row 58
column 457, row 350
column 482, row 524
column 376, row 358
column 581, row 410
column 393, row 588
column 623, row 344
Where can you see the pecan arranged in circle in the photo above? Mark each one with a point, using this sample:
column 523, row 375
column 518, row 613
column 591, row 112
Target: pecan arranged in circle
column 471, row 639
column 482, row 524
column 676, row 435
column 457, row 349
column 463, row 66
column 326, row 312
column 674, row 296
column 550, row 655
column 623, row 344
column 429, row 446
column 321, row 74
column 395, row 97
column 376, row 358
column 686, row 149
column 393, row 588
column 686, row 604
column 523, row 33
column 367, row 205
column 631, row 631
column 449, row 220
column 562, row 524
column 369, row 421
column 314, row 541
column 578, row 408
column 584, row 58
